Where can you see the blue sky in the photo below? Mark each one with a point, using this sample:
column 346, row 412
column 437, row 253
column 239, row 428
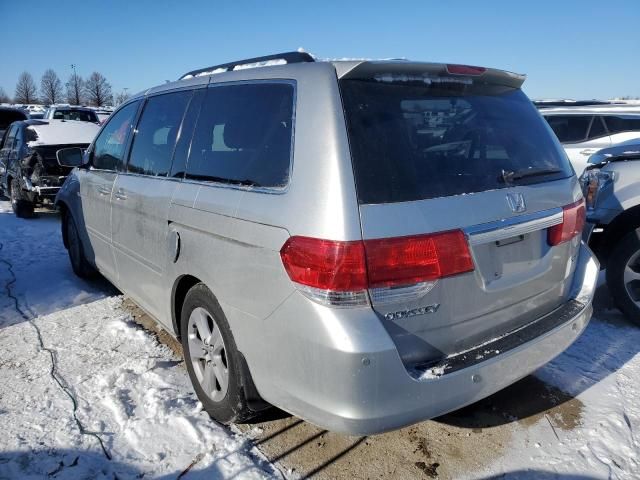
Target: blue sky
column 572, row 49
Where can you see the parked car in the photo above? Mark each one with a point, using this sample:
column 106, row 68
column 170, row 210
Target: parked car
column 30, row 173
column 8, row 115
column 612, row 189
column 585, row 130
column 103, row 115
column 66, row 112
column 365, row 244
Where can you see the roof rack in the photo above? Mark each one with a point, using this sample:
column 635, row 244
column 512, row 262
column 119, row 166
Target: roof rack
column 288, row 57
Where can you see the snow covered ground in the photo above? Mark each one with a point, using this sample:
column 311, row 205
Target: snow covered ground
column 85, row 392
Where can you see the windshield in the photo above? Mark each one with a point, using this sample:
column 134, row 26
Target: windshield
column 415, row 141
column 70, row 114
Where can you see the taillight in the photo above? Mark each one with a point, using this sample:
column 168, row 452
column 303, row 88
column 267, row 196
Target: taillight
column 339, row 273
column 465, row 70
column 407, row 260
column 325, row 264
column 573, row 218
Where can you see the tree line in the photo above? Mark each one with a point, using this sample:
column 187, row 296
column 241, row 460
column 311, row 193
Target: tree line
column 95, row 90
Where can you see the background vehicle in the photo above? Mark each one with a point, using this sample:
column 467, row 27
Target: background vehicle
column 30, row 171
column 364, row 244
column 8, row 115
column 612, row 189
column 103, row 114
column 65, row 112
column 584, row 130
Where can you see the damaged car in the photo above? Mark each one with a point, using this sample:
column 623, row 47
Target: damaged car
column 30, row 173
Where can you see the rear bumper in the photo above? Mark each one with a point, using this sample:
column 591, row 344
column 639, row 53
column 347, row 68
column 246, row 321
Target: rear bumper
column 347, row 376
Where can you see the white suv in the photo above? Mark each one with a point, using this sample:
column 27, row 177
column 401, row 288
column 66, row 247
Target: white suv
column 584, row 130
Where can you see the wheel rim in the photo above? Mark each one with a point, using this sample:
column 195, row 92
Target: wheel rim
column 208, row 354
column 74, row 243
column 632, row 278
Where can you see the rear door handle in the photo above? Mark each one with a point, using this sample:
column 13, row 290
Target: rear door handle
column 587, row 151
column 102, row 190
column 120, row 194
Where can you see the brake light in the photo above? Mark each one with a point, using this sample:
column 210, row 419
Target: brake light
column 465, row 70
column 339, row 273
column 573, row 219
column 325, row 264
column 420, row 258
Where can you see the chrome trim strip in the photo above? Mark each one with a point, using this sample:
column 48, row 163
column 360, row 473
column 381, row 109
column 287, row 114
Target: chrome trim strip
column 512, row 227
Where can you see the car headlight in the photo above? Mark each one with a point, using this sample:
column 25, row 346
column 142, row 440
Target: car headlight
column 593, row 183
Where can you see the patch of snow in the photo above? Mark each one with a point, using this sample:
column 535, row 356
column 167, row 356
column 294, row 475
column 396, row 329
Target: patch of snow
column 61, row 132
column 215, row 71
column 265, row 63
column 602, row 370
column 432, row 373
column 126, row 389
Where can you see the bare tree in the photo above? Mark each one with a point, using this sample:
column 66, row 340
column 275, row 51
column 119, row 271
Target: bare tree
column 26, row 91
column 98, row 90
column 50, row 87
column 122, row 97
column 75, row 89
column 4, row 98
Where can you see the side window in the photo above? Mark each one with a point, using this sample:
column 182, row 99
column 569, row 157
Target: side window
column 11, row 136
column 109, row 147
column 156, row 133
column 597, row 128
column 622, row 123
column 569, row 128
column 243, row 135
column 185, row 135
column 19, row 140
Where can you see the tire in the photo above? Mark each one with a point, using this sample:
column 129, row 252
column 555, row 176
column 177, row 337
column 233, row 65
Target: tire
column 212, row 363
column 79, row 263
column 22, row 207
column 623, row 275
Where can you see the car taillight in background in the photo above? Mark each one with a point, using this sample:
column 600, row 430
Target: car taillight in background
column 340, row 273
column 573, row 219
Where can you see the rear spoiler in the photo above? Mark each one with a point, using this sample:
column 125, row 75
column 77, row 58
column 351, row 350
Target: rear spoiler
column 390, row 70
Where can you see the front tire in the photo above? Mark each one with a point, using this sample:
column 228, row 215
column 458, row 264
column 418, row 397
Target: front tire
column 623, row 275
column 212, row 359
column 22, row 207
column 79, row 263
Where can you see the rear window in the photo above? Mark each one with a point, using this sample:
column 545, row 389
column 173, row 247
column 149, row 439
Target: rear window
column 411, row 141
column 80, row 115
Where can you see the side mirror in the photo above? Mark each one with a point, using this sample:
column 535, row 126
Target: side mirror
column 70, row 157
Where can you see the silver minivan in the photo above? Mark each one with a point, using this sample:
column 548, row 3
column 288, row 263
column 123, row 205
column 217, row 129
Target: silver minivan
column 364, row 244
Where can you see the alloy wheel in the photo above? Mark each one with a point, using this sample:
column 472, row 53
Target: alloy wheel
column 207, row 354
column 632, row 278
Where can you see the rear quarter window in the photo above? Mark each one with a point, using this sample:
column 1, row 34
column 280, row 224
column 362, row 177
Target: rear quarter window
column 243, row 135
column 411, row 141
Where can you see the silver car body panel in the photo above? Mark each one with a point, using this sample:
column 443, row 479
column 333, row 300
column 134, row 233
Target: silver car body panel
column 347, row 369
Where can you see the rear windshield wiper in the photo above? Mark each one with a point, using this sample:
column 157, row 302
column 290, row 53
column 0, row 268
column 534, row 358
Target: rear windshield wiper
column 508, row 176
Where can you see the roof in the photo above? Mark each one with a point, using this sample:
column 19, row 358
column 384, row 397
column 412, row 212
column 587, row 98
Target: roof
column 288, row 63
column 61, row 132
